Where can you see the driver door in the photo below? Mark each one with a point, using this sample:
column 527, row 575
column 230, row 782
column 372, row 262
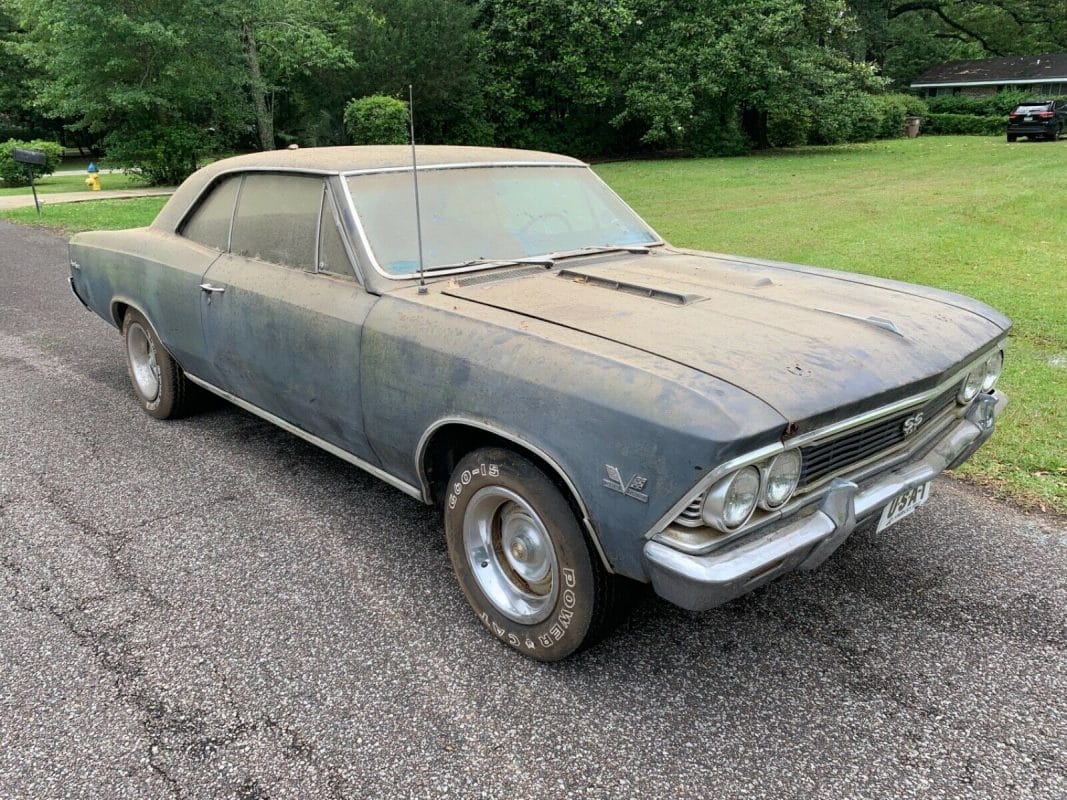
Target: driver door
column 283, row 313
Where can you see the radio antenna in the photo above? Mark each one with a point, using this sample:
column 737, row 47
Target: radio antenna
column 415, row 178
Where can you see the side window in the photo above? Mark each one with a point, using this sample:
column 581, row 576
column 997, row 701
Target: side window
column 276, row 219
column 332, row 256
column 210, row 222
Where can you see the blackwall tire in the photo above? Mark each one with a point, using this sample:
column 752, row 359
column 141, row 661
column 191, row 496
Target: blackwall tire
column 522, row 559
column 158, row 382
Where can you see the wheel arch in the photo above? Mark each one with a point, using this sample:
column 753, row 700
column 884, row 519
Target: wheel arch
column 445, row 442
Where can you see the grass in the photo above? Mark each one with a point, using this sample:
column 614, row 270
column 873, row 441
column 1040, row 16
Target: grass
column 54, row 184
column 94, row 215
column 970, row 214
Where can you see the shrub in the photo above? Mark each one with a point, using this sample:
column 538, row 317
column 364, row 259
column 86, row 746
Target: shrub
column 835, row 118
column 377, row 119
column 161, row 154
column 867, row 118
column 964, row 124
column 15, row 174
column 895, row 109
column 789, row 126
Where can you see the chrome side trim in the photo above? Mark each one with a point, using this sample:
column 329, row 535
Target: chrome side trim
column 344, row 455
column 825, row 432
column 420, row 453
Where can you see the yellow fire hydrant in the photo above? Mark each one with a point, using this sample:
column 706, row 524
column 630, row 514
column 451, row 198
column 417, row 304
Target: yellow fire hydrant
column 93, row 181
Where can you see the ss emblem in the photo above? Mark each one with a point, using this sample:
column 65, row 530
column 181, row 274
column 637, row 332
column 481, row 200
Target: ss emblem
column 912, row 423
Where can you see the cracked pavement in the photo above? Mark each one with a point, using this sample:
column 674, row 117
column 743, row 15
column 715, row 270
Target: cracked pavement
column 213, row 608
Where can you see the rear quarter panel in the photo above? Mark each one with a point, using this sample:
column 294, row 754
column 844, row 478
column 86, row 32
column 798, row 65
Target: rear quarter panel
column 155, row 272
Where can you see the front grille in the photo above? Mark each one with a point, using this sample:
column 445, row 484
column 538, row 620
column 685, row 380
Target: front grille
column 691, row 515
column 820, row 460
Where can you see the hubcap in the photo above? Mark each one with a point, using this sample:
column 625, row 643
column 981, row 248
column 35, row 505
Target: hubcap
column 510, row 554
column 142, row 355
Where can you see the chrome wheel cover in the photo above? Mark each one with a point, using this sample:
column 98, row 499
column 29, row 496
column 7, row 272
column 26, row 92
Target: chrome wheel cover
column 142, row 355
column 510, row 554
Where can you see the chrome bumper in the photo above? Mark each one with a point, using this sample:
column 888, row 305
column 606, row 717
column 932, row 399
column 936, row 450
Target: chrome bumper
column 700, row 582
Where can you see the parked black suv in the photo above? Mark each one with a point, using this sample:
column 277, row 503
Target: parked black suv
column 1038, row 119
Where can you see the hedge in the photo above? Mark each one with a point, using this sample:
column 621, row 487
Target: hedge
column 964, row 124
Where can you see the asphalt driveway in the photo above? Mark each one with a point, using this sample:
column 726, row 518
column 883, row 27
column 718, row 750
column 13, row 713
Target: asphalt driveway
column 212, row 608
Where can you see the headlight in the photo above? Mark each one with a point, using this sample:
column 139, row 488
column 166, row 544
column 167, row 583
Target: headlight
column 973, row 385
column 993, row 367
column 781, row 479
column 732, row 500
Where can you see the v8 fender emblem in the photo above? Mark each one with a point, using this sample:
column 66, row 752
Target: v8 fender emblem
column 631, row 488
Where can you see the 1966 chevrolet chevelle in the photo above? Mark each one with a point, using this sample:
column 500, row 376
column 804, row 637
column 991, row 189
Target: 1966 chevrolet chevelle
column 586, row 403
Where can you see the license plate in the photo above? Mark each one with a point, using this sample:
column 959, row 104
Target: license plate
column 1028, row 119
column 902, row 505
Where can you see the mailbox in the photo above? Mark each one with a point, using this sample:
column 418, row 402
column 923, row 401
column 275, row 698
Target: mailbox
column 31, row 158
column 34, row 157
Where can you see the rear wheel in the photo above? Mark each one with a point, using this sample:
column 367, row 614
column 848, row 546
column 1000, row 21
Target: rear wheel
column 521, row 557
column 1011, row 137
column 158, row 382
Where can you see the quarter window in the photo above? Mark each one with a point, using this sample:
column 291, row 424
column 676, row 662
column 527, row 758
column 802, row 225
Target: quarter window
column 210, row 222
column 276, row 219
column 332, row 256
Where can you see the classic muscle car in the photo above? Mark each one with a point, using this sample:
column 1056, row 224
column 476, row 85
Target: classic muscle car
column 587, row 404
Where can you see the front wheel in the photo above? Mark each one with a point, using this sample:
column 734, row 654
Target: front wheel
column 521, row 557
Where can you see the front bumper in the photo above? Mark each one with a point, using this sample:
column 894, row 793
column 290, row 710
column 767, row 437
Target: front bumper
column 700, row 582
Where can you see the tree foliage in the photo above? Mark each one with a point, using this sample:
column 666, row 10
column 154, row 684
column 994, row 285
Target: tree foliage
column 588, row 77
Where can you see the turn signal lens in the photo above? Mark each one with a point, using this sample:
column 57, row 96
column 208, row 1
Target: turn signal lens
column 993, row 368
column 733, row 499
column 782, row 478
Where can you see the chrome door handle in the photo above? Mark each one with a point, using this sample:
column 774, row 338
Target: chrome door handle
column 207, row 287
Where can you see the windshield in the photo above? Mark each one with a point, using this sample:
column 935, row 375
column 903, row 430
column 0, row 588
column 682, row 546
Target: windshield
column 496, row 213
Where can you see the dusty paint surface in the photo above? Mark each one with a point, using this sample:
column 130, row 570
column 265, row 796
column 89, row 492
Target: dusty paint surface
column 661, row 365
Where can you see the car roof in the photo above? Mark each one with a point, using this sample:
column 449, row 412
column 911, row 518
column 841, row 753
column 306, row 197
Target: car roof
column 337, row 160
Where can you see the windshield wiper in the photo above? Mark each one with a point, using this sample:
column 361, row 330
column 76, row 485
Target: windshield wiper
column 540, row 261
column 636, row 249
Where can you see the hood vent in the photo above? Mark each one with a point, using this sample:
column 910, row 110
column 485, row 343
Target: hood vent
column 499, row 275
column 674, row 298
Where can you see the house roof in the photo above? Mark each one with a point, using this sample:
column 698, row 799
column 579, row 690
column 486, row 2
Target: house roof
column 1048, row 68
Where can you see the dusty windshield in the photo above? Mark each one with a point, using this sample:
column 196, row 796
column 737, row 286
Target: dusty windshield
column 490, row 214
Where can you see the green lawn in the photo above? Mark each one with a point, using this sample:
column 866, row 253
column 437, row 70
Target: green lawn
column 52, row 184
column 92, row 215
column 970, row 214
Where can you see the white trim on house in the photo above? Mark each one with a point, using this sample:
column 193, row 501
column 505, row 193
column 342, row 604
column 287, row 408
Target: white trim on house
column 1013, row 82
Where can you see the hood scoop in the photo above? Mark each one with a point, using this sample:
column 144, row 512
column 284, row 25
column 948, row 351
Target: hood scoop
column 651, row 292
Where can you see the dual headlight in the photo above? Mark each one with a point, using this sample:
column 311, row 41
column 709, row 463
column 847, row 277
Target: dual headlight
column 769, row 485
column 982, row 378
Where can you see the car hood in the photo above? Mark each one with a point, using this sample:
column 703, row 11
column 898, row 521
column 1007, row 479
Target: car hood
column 813, row 344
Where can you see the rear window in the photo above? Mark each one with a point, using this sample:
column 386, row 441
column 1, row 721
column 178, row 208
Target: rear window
column 1030, row 108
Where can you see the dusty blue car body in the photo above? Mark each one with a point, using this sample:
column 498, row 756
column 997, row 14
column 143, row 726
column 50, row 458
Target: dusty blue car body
column 633, row 376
